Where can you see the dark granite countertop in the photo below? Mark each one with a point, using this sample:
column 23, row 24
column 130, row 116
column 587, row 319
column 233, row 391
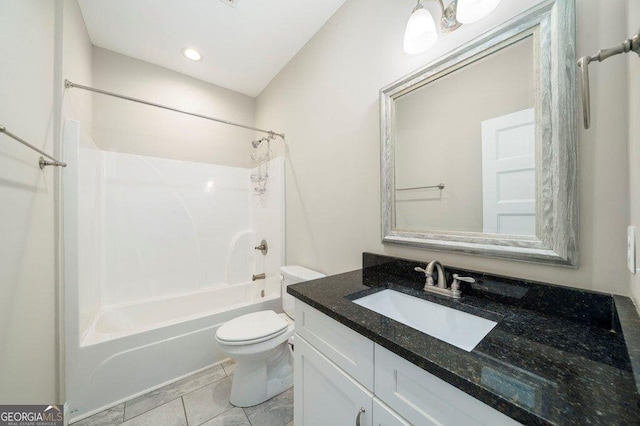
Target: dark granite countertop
column 557, row 356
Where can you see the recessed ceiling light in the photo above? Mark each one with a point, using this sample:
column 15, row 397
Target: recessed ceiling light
column 191, row 53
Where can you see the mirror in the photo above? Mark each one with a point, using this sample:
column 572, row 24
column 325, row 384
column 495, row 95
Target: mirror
column 486, row 160
column 479, row 148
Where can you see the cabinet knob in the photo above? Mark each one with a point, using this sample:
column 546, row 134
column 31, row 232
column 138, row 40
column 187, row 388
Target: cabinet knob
column 360, row 413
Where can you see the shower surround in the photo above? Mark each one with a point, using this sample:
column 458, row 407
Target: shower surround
column 158, row 254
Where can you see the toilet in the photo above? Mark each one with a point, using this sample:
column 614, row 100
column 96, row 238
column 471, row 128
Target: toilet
column 259, row 342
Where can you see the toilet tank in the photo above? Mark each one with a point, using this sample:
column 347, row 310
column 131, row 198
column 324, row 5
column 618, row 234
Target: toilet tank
column 292, row 275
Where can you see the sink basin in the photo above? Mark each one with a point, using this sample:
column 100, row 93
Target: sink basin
column 452, row 326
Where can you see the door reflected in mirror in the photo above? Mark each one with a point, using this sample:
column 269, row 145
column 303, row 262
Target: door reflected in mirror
column 472, row 130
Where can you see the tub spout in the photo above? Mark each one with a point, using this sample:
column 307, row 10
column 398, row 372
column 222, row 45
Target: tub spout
column 259, row 277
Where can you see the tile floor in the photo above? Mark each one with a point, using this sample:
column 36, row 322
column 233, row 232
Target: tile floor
column 200, row 399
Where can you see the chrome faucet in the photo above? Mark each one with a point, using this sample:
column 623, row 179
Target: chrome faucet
column 429, row 274
column 441, row 288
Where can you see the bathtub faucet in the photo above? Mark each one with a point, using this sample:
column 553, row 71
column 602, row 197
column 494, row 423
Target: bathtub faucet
column 259, row 277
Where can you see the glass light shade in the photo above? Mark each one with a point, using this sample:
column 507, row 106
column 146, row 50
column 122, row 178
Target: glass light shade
column 421, row 33
column 470, row 11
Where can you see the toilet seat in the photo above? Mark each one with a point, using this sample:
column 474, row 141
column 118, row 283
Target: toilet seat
column 252, row 328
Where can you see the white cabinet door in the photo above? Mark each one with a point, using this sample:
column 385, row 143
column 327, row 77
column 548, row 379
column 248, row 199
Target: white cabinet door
column 385, row 416
column 324, row 394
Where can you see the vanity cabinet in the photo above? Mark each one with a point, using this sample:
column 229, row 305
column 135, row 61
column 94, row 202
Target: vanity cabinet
column 326, row 395
column 334, row 383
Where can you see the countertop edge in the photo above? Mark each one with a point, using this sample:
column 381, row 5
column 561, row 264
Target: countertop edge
column 630, row 323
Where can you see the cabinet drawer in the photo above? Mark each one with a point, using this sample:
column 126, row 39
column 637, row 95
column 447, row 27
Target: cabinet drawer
column 384, row 416
column 347, row 349
column 424, row 399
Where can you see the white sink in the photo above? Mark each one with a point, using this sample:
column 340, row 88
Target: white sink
column 452, row 326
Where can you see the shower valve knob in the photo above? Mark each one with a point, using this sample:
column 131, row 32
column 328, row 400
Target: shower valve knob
column 263, row 247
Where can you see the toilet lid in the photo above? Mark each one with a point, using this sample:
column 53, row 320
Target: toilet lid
column 255, row 326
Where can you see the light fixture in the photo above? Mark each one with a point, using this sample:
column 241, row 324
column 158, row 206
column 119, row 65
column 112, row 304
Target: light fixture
column 192, row 54
column 421, row 34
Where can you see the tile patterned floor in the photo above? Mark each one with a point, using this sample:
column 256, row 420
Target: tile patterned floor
column 198, row 400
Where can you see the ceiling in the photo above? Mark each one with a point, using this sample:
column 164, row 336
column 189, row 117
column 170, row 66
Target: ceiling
column 244, row 46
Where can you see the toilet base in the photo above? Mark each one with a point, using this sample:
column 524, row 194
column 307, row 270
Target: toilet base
column 257, row 380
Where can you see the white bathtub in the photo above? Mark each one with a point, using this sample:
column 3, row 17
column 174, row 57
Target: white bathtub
column 131, row 318
column 130, row 349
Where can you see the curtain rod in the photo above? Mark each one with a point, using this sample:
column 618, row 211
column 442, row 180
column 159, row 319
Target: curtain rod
column 68, row 84
column 42, row 161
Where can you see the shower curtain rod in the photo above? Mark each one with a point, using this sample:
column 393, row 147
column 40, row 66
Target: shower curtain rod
column 68, row 84
column 42, row 162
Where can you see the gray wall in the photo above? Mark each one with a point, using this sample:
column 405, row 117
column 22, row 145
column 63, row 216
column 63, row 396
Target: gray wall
column 326, row 100
column 31, row 69
column 132, row 128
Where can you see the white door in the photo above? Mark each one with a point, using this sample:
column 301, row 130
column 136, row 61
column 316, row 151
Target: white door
column 325, row 395
column 508, row 174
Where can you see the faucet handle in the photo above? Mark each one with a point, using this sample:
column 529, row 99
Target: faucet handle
column 418, row 269
column 457, row 278
column 455, row 285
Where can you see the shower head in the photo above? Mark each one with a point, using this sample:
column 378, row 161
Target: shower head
column 257, row 143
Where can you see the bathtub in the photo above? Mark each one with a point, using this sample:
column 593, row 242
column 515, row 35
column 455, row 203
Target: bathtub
column 133, row 348
column 132, row 318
